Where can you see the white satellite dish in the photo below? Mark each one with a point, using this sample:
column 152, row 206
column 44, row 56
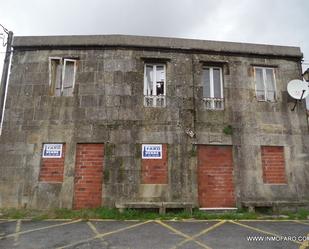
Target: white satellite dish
column 298, row 89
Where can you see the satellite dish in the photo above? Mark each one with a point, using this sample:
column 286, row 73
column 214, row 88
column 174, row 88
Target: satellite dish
column 298, row 89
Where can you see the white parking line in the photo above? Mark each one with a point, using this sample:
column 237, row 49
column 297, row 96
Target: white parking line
column 17, row 230
column 39, row 229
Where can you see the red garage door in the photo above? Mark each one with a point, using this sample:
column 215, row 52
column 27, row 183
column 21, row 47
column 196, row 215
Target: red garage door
column 88, row 176
column 215, row 176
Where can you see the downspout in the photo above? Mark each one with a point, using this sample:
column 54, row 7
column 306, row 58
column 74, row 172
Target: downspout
column 193, row 94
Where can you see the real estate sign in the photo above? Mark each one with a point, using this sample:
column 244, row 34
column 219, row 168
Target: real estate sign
column 152, row 151
column 52, row 150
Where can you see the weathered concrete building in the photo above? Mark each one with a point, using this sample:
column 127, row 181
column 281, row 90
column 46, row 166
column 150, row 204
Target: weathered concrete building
column 96, row 120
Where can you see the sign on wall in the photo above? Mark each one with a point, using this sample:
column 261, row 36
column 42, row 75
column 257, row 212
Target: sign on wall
column 152, row 151
column 52, row 150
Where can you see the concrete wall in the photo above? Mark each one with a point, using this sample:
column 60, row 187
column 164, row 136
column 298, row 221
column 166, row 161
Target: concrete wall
column 107, row 107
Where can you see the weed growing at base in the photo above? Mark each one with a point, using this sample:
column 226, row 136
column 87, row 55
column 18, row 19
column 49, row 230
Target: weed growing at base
column 137, row 214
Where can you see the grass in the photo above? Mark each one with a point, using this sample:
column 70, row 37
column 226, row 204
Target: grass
column 302, row 214
column 136, row 214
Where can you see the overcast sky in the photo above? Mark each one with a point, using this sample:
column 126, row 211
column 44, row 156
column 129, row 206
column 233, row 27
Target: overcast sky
column 282, row 22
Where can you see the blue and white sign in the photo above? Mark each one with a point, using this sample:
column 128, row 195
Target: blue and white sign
column 52, row 151
column 152, row 151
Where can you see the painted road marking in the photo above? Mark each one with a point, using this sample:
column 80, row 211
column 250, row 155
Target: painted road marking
column 301, row 222
column 39, row 229
column 101, row 235
column 17, row 230
column 259, row 230
column 93, row 228
column 96, row 232
column 181, row 220
column 189, row 238
column 274, row 220
column 202, row 232
column 4, row 221
column 100, row 220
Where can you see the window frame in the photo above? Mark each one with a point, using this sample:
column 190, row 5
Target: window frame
column 210, row 101
column 50, row 59
column 62, row 61
column 154, row 96
column 265, row 84
column 63, row 74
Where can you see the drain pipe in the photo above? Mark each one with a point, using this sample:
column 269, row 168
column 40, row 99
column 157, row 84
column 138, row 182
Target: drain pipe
column 5, row 74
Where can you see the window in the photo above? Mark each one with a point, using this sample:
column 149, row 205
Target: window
column 61, row 76
column 154, row 85
column 265, row 84
column 213, row 88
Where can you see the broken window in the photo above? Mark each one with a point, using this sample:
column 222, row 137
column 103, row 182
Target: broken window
column 213, row 88
column 265, row 84
column 62, row 76
column 154, row 85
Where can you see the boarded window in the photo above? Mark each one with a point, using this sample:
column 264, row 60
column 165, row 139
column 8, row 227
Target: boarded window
column 88, row 180
column 155, row 170
column 52, row 164
column 215, row 176
column 273, row 164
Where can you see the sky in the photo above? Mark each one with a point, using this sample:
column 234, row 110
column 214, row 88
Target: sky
column 280, row 22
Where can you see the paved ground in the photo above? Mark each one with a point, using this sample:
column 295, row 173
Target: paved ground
column 153, row 234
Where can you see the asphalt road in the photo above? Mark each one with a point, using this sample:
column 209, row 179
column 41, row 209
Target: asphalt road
column 154, row 234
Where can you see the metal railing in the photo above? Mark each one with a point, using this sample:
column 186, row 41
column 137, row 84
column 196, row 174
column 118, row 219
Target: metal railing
column 214, row 103
column 155, row 101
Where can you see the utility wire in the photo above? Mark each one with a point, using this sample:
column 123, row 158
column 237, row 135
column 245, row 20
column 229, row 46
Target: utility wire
column 5, row 30
column 2, row 35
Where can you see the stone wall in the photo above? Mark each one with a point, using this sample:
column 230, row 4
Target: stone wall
column 107, row 108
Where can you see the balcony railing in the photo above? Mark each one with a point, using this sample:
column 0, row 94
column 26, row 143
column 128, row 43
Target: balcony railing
column 214, row 103
column 155, row 101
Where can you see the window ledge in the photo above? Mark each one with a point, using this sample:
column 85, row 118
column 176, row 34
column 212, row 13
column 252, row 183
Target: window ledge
column 267, row 101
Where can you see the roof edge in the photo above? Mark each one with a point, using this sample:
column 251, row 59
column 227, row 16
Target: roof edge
column 41, row 42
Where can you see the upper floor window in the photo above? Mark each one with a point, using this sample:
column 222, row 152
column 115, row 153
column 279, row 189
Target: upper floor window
column 213, row 88
column 154, row 85
column 61, row 76
column 265, row 83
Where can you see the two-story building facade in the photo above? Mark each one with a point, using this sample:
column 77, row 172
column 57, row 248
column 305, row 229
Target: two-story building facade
column 95, row 120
